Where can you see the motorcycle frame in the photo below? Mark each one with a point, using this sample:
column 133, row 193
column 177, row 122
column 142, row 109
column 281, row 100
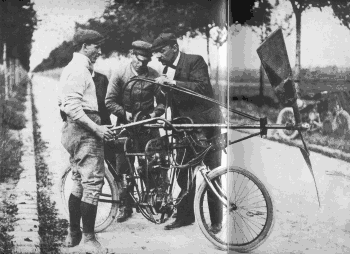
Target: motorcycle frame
column 163, row 123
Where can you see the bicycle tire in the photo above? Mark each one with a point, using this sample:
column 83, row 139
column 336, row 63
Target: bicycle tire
column 201, row 221
column 109, row 186
column 286, row 134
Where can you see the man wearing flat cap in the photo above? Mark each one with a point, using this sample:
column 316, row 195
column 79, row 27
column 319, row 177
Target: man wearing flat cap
column 126, row 100
column 191, row 72
column 83, row 137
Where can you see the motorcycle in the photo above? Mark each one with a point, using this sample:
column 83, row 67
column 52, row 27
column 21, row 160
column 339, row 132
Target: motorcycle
column 319, row 114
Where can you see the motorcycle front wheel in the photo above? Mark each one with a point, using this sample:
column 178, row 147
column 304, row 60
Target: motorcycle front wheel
column 286, row 116
column 249, row 218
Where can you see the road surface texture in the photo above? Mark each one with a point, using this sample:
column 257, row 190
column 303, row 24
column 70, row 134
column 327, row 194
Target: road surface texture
column 300, row 225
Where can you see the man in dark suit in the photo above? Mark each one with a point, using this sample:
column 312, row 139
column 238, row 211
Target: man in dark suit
column 101, row 84
column 191, row 72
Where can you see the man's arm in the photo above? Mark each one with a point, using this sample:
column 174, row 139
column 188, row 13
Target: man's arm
column 198, row 80
column 114, row 98
column 158, row 94
column 73, row 91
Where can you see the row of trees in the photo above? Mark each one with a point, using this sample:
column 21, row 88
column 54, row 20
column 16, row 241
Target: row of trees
column 125, row 21
column 265, row 25
column 17, row 24
column 307, row 75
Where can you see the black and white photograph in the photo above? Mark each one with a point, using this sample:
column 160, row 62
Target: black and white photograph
column 159, row 126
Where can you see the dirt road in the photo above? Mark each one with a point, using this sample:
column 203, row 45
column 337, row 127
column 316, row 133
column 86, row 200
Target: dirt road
column 300, row 227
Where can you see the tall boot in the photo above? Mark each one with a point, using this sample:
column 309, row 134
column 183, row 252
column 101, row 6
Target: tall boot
column 90, row 243
column 74, row 234
column 125, row 210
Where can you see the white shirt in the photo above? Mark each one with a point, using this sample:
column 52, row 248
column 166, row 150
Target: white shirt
column 171, row 72
column 78, row 90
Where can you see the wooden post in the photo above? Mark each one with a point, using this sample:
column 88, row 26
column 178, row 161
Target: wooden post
column 6, row 83
column 2, row 95
column 12, row 75
column 17, row 72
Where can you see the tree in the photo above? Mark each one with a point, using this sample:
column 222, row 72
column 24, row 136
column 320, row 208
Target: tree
column 219, row 37
column 341, row 12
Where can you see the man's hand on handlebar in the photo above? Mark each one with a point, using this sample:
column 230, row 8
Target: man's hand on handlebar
column 128, row 116
column 165, row 80
column 105, row 132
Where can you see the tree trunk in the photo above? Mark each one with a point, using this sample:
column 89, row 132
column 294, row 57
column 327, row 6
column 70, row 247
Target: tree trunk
column 5, row 63
column 217, row 66
column 298, row 50
column 207, row 32
column 262, row 85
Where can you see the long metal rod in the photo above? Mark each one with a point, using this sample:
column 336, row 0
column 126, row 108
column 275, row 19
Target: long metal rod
column 230, row 126
column 188, row 91
column 166, row 123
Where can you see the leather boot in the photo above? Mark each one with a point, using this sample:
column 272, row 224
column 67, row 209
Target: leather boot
column 73, row 238
column 90, row 244
column 124, row 213
column 125, row 209
column 74, row 233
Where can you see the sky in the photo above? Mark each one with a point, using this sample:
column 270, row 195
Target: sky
column 324, row 40
column 58, row 21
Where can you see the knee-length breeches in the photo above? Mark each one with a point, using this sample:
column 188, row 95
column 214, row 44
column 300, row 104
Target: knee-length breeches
column 87, row 160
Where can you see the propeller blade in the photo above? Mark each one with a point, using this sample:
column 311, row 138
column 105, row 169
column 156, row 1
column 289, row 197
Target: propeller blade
column 274, row 58
column 306, row 156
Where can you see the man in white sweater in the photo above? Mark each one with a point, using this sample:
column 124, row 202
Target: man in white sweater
column 82, row 137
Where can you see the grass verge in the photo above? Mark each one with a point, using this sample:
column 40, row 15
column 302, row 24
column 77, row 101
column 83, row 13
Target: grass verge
column 10, row 158
column 330, row 145
column 51, row 229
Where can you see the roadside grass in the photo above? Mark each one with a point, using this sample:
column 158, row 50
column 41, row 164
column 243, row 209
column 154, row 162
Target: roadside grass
column 10, row 158
column 52, row 230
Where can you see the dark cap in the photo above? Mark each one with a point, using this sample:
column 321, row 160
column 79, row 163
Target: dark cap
column 88, row 37
column 163, row 40
column 142, row 48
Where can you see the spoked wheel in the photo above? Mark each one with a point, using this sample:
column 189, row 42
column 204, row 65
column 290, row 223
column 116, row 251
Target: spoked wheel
column 286, row 116
column 106, row 212
column 249, row 218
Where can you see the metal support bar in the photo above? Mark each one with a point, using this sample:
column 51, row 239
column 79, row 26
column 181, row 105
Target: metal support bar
column 203, row 171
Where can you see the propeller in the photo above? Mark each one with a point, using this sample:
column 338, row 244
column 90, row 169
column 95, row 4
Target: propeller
column 274, row 58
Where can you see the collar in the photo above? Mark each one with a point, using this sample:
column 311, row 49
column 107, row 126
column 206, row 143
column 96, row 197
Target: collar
column 174, row 64
column 83, row 60
column 135, row 72
column 177, row 59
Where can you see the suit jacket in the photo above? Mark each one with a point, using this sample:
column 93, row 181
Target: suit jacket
column 101, row 83
column 192, row 73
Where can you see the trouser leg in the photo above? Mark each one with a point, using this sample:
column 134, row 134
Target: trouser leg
column 185, row 209
column 215, row 206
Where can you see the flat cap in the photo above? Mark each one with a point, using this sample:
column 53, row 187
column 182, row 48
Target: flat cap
column 87, row 36
column 142, row 48
column 163, row 40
